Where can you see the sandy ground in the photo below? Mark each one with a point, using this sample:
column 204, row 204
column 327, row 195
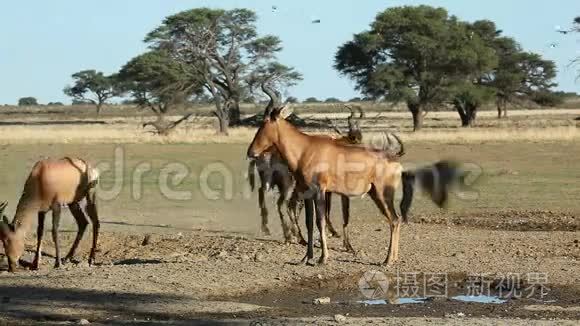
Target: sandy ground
column 201, row 275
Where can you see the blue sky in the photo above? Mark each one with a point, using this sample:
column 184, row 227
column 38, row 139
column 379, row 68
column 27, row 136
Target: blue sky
column 44, row 42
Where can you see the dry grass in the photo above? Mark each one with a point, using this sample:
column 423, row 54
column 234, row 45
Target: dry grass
column 522, row 125
column 134, row 134
column 499, row 135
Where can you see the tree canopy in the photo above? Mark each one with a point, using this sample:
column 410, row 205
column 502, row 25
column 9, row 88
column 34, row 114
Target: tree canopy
column 425, row 57
column 27, row 101
column 413, row 54
column 158, row 82
column 224, row 52
column 93, row 87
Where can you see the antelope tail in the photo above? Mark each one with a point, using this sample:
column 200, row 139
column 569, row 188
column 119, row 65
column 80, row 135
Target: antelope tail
column 252, row 174
column 436, row 180
column 408, row 178
column 92, row 176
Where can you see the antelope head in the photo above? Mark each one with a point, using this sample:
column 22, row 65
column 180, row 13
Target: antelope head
column 354, row 132
column 267, row 134
column 13, row 244
column 392, row 148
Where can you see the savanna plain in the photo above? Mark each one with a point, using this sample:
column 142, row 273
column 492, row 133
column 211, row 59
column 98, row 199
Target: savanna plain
column 181, row 239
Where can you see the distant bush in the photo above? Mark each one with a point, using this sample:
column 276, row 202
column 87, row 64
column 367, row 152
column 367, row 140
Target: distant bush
column 311, row 100
column 27, row 101
column 80, row 102
column 292, row 99
column 55, row 103
column 548, row 98
column 332, row 100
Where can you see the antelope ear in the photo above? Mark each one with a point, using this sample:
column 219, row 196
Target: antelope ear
column 286, row 110
column 4, row 229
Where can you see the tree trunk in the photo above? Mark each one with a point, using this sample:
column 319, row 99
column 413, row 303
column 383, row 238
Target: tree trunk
column 99, row 106
column 417, row 112
column 472, row 115
column 467, row 114
column 222, row 114
column 223, row 125
column 234, row 112
column 462, row 114
column 501, row 108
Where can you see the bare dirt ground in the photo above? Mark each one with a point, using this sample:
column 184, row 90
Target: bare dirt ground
column 202, row 275
column 202, row 261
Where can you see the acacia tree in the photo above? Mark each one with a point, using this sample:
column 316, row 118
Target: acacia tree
column 469, row 91
column 521, row 75
column 27, row 101
column 93, row 87
column 156, row 81
column 223, row 49
column 518, row 74
column 411, row 54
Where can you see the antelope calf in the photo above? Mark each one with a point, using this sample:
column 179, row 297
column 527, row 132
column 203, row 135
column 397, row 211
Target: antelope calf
column 50, row 185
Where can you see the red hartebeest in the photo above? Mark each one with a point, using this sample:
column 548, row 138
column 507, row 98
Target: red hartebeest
column 273, row 173
column 50, row 185
column 320, row 165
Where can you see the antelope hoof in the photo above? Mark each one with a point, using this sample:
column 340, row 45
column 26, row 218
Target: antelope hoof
column 307, row 261
column 322, row 261
column 288, row 238
column 57, row 263
column 34, row 266
column 265, row 230
column 388, row 262
column 335, row 234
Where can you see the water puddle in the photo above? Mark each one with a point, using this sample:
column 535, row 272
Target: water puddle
column 395, row 301
column 463, row 298
column 479, row 299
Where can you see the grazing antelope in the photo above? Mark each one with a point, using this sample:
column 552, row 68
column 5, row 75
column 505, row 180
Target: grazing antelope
column 50, row 185
column 321, row 165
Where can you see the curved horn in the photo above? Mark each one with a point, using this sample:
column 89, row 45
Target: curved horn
column 361, row 112
column 286, row 110
column 352, row 125
column 334, row 126
column 274, row 99
column 401, row 151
